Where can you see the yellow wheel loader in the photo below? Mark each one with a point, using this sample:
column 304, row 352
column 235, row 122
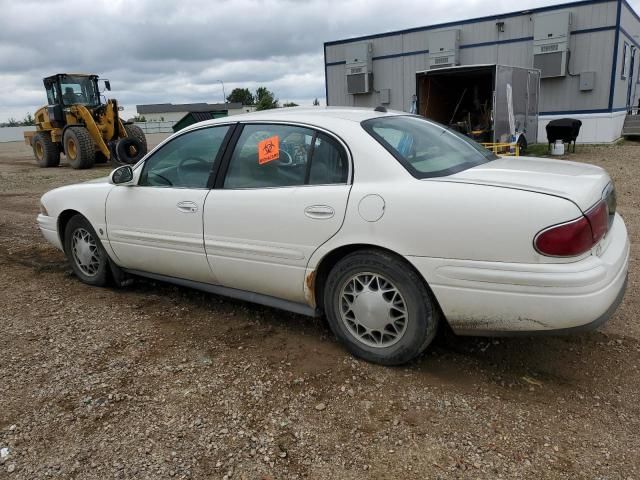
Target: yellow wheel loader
column 77, row 123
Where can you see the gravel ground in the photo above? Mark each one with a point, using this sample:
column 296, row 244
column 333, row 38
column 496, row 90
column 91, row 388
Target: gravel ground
column 155, row 381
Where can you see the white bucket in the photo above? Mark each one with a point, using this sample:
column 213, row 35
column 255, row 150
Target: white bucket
column 557, row 148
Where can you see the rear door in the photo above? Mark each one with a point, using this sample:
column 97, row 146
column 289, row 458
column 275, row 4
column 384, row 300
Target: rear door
column 281, row 193
column 156, row 225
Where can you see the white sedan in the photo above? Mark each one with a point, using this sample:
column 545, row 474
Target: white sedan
column 385, row 222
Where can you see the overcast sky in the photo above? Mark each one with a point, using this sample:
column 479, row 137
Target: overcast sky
column 156, row 51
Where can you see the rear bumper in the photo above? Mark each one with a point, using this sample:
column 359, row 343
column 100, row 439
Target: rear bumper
column 490, row 298
column 49, row 228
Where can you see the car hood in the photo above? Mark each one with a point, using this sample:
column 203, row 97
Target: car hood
column 581, row 183
column 98, row 180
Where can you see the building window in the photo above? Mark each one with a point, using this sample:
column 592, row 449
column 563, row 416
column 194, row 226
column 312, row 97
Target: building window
column 625, row 54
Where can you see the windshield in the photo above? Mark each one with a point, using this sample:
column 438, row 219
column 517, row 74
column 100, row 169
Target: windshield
column 425, row 148
column 77, row 89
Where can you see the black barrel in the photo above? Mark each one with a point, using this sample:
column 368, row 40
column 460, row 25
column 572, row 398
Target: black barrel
column 565, row 129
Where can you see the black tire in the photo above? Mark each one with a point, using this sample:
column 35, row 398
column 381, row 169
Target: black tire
column 79, row 147
column 134, row 131
column 129, row 151
column 92, row 272
column 46, row 152
column 422, row 315
column 522, row 145
column 100, row 157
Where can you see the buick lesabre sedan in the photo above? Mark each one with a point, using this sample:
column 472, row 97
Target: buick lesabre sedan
column 387, row 223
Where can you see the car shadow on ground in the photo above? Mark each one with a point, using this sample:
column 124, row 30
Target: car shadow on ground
column 562, row 362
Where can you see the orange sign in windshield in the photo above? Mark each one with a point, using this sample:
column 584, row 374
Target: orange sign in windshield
column 268, row 150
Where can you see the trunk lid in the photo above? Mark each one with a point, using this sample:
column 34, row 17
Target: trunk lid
column 581, row 183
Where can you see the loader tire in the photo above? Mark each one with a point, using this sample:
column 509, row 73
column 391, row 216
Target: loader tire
column 79, row 148
column 137, row 133
column 100, row 157
column 129, row 151
column 46, row 152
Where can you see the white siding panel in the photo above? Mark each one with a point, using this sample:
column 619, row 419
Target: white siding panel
column 335, row 53
column 386, row 45
column 415, row 41
column 337, row 86
column 387, row 73
column 412, row 64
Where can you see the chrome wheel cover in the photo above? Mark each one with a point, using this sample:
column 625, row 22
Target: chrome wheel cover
column 85, row 252
column 373, row 310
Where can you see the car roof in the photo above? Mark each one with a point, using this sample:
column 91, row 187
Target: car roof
column 320, row 116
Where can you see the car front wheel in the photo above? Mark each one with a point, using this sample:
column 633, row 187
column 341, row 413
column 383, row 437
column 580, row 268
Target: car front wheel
column 85, row 253
column 379, row 307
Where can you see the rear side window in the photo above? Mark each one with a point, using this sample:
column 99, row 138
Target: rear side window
column 330, row 163
column 268, row 156
column 425, row 148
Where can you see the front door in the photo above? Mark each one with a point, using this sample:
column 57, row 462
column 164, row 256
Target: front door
column 156, row 225
column 281, row 194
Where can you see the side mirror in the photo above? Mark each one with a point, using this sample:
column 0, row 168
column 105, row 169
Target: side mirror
column 122, row 176
column 107, row 85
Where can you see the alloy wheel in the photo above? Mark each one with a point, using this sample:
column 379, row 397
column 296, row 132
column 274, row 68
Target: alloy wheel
column 85, row 252
column 373, row 310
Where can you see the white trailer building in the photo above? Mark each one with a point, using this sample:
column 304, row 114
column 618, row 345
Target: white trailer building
column 587, row 52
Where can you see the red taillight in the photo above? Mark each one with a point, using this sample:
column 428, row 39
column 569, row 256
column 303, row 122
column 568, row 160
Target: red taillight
column 599, row 219
column 569, row 239
column 576, row 237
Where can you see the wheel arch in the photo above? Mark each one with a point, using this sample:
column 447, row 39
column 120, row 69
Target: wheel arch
column 63, row 220
column 317, row 279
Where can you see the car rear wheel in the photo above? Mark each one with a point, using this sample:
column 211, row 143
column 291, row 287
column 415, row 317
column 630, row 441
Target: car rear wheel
column 85, row 253
column 380, row 308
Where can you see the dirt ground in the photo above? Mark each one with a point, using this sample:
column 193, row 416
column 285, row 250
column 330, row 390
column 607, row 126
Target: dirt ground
column 156, row 381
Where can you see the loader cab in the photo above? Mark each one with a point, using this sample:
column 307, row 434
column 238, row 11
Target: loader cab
column 72, row 89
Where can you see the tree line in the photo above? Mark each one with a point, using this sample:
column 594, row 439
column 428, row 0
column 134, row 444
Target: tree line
column 27, row 121
column 263, row 98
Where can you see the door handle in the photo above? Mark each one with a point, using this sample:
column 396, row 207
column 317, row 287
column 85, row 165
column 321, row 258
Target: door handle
column 187, row 206
column 319, row 211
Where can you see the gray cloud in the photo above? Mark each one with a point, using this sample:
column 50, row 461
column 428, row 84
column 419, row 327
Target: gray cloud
column 168, row 51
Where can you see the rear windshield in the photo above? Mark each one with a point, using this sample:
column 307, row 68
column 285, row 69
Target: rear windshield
column 425, row 148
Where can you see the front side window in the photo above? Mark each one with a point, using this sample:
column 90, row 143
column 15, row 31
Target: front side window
column 186, row 161
column 79, row 90
column 425, row 148
column 52, row 94
column 283, row 156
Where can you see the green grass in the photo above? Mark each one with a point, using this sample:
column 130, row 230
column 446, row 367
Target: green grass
column 542, row 149
column 537, row 150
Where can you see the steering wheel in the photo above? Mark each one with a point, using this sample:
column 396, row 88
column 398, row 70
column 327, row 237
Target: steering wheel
column 191, row 161
column 286, row 164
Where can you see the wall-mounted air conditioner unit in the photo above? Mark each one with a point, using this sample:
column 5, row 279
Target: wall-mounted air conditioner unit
column 359, row 68
column 550, row 43
column 444, row 48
